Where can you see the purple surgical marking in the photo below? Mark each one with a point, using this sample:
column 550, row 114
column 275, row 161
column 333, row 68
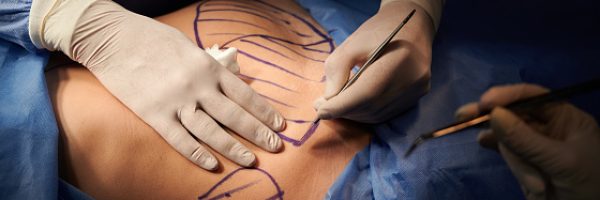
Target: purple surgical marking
column 266, row 81
column 252, row 6
column 310, row 25
column 298, row 121
column 307, row 134
column 273, row 9
column 268, row 37
column 240, row 10
column 300, row 34
column 257, row 15
column 276, row 101
column 224, row 34
column 196, row 27
column 315, row 50
column 275, row 66
column 274, row 40
column 294, row 51
column 234, row 21
column 229, row 192
column 278, row 194
column 304, row 46
column 265, row 47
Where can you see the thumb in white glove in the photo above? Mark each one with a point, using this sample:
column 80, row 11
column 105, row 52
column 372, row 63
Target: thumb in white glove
column 164, row 78
column 552, row 150
column 392, row 83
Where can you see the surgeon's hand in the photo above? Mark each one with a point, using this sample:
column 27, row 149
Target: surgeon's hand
column 170, row 83
column 392, row 83
column 553, row 150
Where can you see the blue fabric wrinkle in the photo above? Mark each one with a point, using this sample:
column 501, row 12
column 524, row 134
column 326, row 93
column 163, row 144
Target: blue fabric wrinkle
column 479, row 44
column 14, row 23
column 28, row 131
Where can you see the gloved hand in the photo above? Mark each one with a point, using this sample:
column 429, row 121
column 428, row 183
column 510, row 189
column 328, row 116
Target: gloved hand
column 392, row 83
column 552, row 150
column 162, row 76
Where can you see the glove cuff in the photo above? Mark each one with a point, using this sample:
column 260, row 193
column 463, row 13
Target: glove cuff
column 52, row 23
column 39, row 9
column 432, row 7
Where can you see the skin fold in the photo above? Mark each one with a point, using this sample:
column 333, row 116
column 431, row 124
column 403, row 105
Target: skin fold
column 109, row 153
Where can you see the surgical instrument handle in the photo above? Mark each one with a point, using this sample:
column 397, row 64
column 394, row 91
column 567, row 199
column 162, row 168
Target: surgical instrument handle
column 373, row 56
column 520, row 105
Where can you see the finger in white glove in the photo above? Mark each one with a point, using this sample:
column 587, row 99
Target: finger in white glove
column 550, row 149
column 163, row 77
column 391, row 84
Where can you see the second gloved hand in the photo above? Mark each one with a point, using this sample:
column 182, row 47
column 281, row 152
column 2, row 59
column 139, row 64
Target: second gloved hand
column 162, row 76
column 553, row 150
column 392, row 83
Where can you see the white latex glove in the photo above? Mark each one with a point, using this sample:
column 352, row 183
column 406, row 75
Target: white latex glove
column 227, row 58
column 162, row 76
column 554, row 150
column 391, row 84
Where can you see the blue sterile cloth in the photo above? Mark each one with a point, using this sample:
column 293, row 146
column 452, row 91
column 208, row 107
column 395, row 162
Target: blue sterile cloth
column 479, row 44
column 28, row 131
column 14, row 21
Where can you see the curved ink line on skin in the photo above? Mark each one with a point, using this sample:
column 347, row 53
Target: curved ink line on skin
column 276, row 196
column 294, row 51
column 266, row 48
column 239, row 6
column 305, row 137
column 268, row 7
column 300, row 34
column 240, row 10
column 310, row 25
column 276, row 101
column 234, row 21
column 311, row 44
column 274, row 42
column 275, row 66
column 268, row 37
column 315, row 50
column 285, row 22
column 326, row 39
column 238, row 34
column 228, row 193
column 266, row 81
column 298, row 121
column 277, row 188
column 249, row 55
column 198, row 42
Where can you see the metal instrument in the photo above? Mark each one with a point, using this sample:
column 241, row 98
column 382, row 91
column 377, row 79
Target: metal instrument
column 373, row 56
column 521, row 105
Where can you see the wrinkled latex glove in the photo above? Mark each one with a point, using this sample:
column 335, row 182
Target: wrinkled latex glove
column 552, row 150
column 162, row 76
column 392, row 83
